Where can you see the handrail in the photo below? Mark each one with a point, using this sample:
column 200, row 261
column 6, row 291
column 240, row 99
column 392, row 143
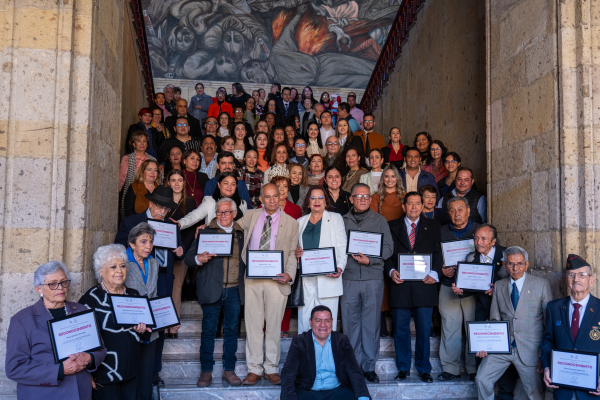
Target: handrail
column 140, row 32
column 406, row 16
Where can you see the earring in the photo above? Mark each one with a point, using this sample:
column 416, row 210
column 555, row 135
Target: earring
column 41, row 295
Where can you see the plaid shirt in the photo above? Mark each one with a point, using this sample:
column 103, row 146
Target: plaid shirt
column 253, row 182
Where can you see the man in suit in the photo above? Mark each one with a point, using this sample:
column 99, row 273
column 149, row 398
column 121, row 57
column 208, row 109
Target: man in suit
column 226, row 163
column 413, row 177
column 194, row 124
column 324, row 353
column 573, row 324
column 413, row 234
column 306, row 116
column 161, row 203
column 286, row 108
column 268, row 228
column 370, row 138
column 326, row 130
column 464, row 188
column 521, row 300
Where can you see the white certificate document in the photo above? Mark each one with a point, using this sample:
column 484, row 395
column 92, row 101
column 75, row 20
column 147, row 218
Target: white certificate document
column 166, row 234
column 264, row 264
column 367, row 243
column 457, row 251
column 474, row 276
column 220, row 244
column 164, row 312
column 131, row 310
column 414, row 267
column 575, row 370
column 75, row 333
column 318, row 262
column 490, row 336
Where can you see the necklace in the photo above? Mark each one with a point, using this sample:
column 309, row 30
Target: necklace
column 108, row 291
column 193, row 188
column 65, row 307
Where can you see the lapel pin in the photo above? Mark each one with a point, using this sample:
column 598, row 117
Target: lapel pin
column 564, row 308
column 528, row 291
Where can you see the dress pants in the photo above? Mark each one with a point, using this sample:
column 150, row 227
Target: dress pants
column 311, row 300
column 144, row 378
column 264, row 302
column 455, row 312
column 339, row 393
column 161, row 290
column 125, row 390
column 401, row 318
column 179, row 271
column 361, row 319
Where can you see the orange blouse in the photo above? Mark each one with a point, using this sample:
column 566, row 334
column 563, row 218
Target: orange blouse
column 391, row 207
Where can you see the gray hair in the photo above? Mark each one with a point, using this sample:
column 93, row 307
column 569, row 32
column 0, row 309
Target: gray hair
column 169, row 86
column 39, row 276
column 226, row 200
column 143, row 228
column 262, row 189
column 106, row 253
column 515, row 250
column 359, row 185
column 456, row 198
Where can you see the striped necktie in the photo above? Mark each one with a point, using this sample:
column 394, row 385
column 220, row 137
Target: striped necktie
column 265, row 237
column 413, row 235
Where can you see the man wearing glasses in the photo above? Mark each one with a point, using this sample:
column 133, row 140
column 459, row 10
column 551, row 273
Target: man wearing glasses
column 182, row 139
column 363, row 283
column 182, row 111
column 333, row 149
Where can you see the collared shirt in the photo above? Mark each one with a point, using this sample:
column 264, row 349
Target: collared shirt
column 208, row 169
column 258, row 228
column 519, row 282
column 163, row 251
column 490, row 255
column 408, row 223
column 326, row 133
column 481, row 204
column 412, row 184
column 581, row 309
column 358, row 115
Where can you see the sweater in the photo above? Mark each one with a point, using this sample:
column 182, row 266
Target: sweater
column 391, row 208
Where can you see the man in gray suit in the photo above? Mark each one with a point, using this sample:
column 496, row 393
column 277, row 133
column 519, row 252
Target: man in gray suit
column 521, row 300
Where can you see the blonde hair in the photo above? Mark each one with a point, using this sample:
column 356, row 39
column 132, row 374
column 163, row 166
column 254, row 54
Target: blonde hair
column 139, row 176
column 400, row 190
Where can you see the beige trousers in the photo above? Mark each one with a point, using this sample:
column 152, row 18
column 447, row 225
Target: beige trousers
column 179, row 270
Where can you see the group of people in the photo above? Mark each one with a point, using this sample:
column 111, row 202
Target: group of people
column 292, row 186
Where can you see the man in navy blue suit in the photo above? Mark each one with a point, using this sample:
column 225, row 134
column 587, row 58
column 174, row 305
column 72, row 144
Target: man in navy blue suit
column 572, row 324
column 417, row 178
column 286, row 108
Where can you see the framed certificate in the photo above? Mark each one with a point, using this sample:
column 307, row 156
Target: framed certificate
column 166, row 233
column 490, row 336
column 368, row 243
column 264, row 264
column 414, row 267
column 474, row 277
column 164, row 312
column 75, row 333
column 129, row 311
column 220, row 244
column 318, row 262
column 574, row 369
column 457, row 251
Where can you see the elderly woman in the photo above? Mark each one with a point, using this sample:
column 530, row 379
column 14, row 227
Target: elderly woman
column 29, row 356
column 116, row 378
column 146, row 180
column 316, row 170
column 319, row 229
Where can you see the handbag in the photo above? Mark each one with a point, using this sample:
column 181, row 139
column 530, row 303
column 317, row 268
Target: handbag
column 296, row 298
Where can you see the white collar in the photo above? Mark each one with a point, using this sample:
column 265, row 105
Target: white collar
column 583, row 302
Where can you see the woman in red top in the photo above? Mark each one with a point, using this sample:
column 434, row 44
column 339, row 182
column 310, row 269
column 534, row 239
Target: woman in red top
column 392, row 153
column 191, row 162
column 220, row 106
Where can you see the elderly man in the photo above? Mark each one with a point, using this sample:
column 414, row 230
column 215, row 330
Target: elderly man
column 182, row 139
column 318, row 110
column 170, row 99
column 226, row 163
column 267, row 228
column 363, row 283
column 464, row 188
column 209, row 156
column 332, row 145
column 413, row 177
column 332, row 373
column 220, row 288
column 521, row 300
column 572, row 324
column 326, row 129
column 193, row 123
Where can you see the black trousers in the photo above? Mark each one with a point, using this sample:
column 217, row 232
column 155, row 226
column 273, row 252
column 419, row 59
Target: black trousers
column 144, row 379
column 339, row 393
column 125, row 390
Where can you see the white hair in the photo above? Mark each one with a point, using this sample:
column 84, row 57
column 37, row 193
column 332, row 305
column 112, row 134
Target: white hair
column 105, row 254
column 39, row 276
column 226, row 200
column 515, row 250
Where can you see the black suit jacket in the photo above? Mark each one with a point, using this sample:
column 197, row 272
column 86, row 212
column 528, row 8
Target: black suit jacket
column 483, row 302
column 195, row 129
column 415, row 293
column 300, row 370
column 292, row 109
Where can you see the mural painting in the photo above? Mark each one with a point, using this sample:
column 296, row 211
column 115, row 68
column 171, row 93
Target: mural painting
column 301, row 42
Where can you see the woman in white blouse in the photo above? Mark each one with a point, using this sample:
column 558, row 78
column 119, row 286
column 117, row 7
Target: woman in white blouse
column 374, row 176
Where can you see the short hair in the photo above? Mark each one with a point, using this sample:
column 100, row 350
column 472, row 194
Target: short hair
column 369, row 115
column 277, row 179
column 226, row 200
column 204, row 138
column 286, row 88
column 177, row 89
column 351, row 95
column 410, row 194
column 39, row 276
column 199, row 83
column 144, row 110
column 490, row 227
column 104, row 254
column 515, row 250
column 344, row 106
column 224, row 154
column 136, row 135
column 455, row 199
column 155, row 108
column 221, row 91
column 262, row 189
column 411, row 149
column 428, row 188
column 304, row 180
column 306, row 203
column 323, row 160
column 188, row 153
column 184, row 117
column 327, row 112
column 465, row 169
column 320, row 308
column 454, row 155
column 359, row 185
column 278, row 85
column 143, row 228
column 169, row 86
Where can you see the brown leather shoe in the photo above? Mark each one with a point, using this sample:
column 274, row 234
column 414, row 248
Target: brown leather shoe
column 205, row 379
column 251, row 379
column 232, row 378
column 275, row 379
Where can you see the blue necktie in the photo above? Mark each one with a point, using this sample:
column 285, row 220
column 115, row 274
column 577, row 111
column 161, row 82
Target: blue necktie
column 514, row 296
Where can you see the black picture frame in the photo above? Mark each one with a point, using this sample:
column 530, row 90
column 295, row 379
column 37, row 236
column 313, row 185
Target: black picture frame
column 248, row 274
column 370, row 233
column 411, row 255
column 507, row 325
column 178, row 233
column 230, row 254
column 574, row 387
column 490, row 266
column 172, row 304
column 137, row 298
column 70, row 316
column 320, row 273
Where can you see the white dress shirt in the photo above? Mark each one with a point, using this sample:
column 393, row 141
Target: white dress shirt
column 326, row 133
column 408, row 224
column 490, row 256
column 581, row 309
column 519, row 282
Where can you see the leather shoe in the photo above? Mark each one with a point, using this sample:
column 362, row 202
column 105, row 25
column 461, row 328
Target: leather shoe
column 232, row 378
column 426, row 377
column 251, row 379
column 157, row 381
column 275, row 379
column 402, row 375
column 205, row 379
column 447, row 376
column 472, row 377
column 371, row 376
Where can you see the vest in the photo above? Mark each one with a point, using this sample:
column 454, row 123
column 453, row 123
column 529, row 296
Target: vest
column 472, row 197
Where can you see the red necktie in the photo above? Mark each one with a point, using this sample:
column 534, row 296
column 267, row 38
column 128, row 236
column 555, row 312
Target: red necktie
column 575, row 321
column 412, row 236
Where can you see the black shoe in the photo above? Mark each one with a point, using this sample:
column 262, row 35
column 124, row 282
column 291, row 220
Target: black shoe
column 446, row 376
column 472, row 377
column 372, row 377
column 157, row 381
column 433, row 333
column 402, row 375
column 426, row 377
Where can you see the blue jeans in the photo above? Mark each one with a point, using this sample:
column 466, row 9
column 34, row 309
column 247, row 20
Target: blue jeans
column 230, row 303
column 401, row 317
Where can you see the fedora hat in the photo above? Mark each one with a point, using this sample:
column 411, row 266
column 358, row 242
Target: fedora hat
column 163, row 196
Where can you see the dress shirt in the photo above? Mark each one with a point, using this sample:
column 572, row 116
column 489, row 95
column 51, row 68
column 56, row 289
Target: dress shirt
column 490, row 255
column 408, row 224
column 583, row 304
column 519, row 282
column 481, row 204
column 162, row 251
column 412, row 184
column 208, row 169
column 326, row 133
column 257, row 231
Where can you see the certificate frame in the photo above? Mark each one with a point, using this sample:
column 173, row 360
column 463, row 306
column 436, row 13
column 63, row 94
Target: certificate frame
column 250, row 275
column 505, row 326
column 576, row 353
column 365, row 232
column 400, row 255
column 453, row 241
column 72, row 316
column 332, row 249
column 457, row 275
column 136, row 298
column 157, row 221
column 228, row 254
column 160, row 328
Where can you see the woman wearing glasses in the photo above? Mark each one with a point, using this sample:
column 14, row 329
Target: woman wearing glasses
column 452, row 164
column 29, row 356
column 321, row 228
column 435, row 161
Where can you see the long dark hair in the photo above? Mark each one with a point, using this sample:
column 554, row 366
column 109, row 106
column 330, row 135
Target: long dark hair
column 236, row 196
column 429, row 159
column 229, row 124
column 305, row 205
column 312, row 96
column 183, row 192
column 246, row 141
column 168, row 165
column 239, row 89
column 307, row 138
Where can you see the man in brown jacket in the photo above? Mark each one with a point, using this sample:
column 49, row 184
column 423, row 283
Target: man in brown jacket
column 371, row 139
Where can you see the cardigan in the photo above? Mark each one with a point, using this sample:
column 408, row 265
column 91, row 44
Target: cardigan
column 135, row 199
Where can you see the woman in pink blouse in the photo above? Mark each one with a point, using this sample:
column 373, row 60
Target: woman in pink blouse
column 434, row 163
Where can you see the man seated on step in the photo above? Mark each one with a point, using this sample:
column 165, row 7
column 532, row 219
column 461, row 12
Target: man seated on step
column 321, row 364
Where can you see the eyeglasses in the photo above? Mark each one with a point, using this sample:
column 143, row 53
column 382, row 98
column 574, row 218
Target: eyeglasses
column 367, row 120
column 182, row 124
column 317, row 197
column 450, row 162
column 519, row 264
column 572, row 275
column 361, row 196
column 300, row 145
column 333, row 144
column 54, row 285
column 157, row 114
column 224, row 213
column 165, row 209
column 238, row 111
column 211, row 123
